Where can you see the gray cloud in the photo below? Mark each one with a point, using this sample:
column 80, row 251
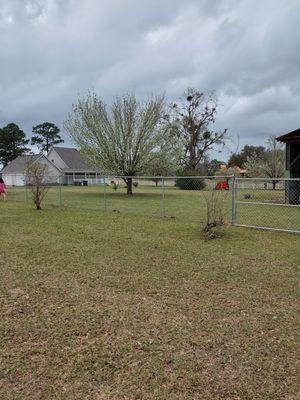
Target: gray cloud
column 53, row 50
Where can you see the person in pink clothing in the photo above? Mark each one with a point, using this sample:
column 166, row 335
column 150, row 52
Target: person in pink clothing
column 2, row 189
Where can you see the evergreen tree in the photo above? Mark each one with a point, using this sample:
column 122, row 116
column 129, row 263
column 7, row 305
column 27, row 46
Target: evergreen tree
column 46, row 136
column 12, row 143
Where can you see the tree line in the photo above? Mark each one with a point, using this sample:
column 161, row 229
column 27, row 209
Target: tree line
column 13, row 141
column 156, row 138
column 259, row 161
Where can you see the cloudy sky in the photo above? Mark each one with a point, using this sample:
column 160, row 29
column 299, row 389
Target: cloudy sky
column 248, row 51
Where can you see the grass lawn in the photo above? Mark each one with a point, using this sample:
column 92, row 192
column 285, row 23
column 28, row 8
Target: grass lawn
column 116, row 306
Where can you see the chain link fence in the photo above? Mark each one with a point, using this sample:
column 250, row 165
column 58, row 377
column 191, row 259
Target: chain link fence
column 253, row 202
column 267, row 203
column 181, row 198
column 184, row 198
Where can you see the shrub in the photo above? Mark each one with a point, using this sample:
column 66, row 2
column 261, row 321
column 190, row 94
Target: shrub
column 191, row 182
column 36, row 178
column 135, row 184
column 114, row 185
column 214, row 213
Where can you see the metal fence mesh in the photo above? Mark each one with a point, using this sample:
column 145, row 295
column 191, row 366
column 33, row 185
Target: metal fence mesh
column 183, row 198
column 268, row 203
column 260, row 203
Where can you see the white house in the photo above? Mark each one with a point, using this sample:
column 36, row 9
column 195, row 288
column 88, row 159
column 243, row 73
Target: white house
column 65, row 165
column 14, row 173
column 72, row 165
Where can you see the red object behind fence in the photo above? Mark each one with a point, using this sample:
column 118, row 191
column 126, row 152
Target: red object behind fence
column 222, row 185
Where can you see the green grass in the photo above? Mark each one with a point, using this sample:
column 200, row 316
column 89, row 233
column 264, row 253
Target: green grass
column 99, row 305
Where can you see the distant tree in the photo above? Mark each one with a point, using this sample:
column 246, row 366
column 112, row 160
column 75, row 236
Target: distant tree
column 190, row 180
column 46, row 136
column 160, row 166
column 239, row 159
column 212, row 166
column 122, row 140
column 12, row 143
column 36, row 174
column 275, row 158
column 164, row 162
column 270, row 165
column 254, row 166
column 228, row 171
column 190, row 121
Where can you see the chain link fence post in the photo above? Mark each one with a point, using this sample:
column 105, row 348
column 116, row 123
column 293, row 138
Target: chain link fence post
column 26, row 192
column 162, row 198
column 233, row 200
column 104, row 194
column 60, row 193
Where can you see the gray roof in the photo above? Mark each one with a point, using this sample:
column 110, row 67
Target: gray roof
column 73, row 159
column 19, row 164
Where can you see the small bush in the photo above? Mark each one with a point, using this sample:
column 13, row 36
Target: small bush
column 191, row 182
column 214, row 213
column 114, row 185
column 135, row 184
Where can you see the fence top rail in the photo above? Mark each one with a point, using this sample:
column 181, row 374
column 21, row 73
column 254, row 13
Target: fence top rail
column 170, row 177
column 199, row 176
column 268, row 179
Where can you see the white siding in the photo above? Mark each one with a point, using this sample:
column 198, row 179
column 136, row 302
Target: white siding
column 52, row 172
column 55, row 158
column 18, row 179
column 14, row 179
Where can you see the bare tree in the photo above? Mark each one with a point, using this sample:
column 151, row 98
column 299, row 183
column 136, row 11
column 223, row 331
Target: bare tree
column 275, row 159
column 121, row 140
column 215, row 205
column 270, row 165
column 190, row 121
column 36, row 178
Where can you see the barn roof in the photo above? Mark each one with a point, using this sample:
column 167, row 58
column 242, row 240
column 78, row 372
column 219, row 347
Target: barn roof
column 73, row 159
column 19, row 164
column 289, row 137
